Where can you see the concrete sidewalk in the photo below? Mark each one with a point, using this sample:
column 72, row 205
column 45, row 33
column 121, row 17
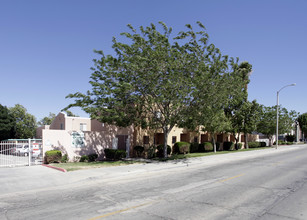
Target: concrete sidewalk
column 23, row 179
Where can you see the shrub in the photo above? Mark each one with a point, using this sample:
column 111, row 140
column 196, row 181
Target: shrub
column 119, row 154
column 228, row 145
column 109, row 153
column 254, row 144
column 239, row 146
column 208, row 146
column 181, row 148
column 201, row 147
column 219, row 146
column 138, row 150
column 160, row 148
column 92, row 157
column 84, row 158
column 290, row 138
column 205, row 147
column 64, row 158
column 194, row 147
column 151, row 152
column 53, row 156
column 114, row 154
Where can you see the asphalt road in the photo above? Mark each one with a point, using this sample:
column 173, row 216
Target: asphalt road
column 266, row 184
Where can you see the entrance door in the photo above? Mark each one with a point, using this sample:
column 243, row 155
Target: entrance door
column 122, row 141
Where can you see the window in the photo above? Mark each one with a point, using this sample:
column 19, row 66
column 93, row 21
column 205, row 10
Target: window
column 82, row 126
column 145, row 139
column 62, row 126
column 174, row 139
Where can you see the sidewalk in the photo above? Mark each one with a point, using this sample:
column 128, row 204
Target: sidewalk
column 23, row 179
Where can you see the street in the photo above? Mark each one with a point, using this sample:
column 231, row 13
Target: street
column 262, row 184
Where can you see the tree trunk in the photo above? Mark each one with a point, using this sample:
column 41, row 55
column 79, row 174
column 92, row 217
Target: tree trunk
column 165, row 131
column 236, row 140
column 214, row 144
column 236, row 144
column 246, row 141
column 270, row 141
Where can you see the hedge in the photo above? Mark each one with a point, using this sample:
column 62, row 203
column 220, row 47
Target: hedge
column 205, row 147
column 160, row 148
column 138, row 150
column 53, row 156
column 255, row 144
column 114, row 154
column 194, row 147
column 228, row 145
column 181, row 148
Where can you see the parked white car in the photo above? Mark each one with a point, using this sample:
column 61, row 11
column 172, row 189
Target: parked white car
column 22, row 150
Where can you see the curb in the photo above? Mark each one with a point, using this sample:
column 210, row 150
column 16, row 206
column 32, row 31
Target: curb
column 56, row 168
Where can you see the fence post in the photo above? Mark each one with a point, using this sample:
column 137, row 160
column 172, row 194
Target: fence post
column 30, row 151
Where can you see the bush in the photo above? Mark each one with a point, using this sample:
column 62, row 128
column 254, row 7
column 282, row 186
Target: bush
column 109, row 153
column 201, row 147
column 228, row 145
column 160, row 148
column 138, row 150
column 114, row 154
column 254, row 144
column 205, row 147
column 84, row 158
column 240, row 146
column 181, row 148
column 53, row 156
column 290, row 138
column 64, row 158
column 218, row 146
column 92, row 157
column 151, row 152
column 119, row 154
column 194, row 147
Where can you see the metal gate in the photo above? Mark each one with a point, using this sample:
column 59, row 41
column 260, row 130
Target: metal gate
column 21, row 152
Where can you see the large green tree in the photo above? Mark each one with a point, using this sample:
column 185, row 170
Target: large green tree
column 302, row 120
column 267, row 122
column 147, row 83
column 47, row 120
column 238, row 108
column 25, row 123
column 7, row 124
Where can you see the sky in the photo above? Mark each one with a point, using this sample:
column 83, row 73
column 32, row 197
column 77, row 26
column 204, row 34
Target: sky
column 46, row 47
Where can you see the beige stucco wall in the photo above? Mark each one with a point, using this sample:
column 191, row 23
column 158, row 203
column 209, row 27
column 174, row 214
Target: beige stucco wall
column 97, row 126
column 56, row 124
column 95, row 141
column 73, row 123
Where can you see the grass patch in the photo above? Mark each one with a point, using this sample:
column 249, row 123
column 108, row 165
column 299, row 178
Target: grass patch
column 190, row 155
column 84, row 165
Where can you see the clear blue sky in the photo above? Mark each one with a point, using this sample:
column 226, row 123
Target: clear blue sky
column 46, row 47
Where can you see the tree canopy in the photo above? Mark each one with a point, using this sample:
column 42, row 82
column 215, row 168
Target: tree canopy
column 159, row 81
column 267, row 122
column 25, row 123
column 47, row 120
column 302, row 120
column 7, row 124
